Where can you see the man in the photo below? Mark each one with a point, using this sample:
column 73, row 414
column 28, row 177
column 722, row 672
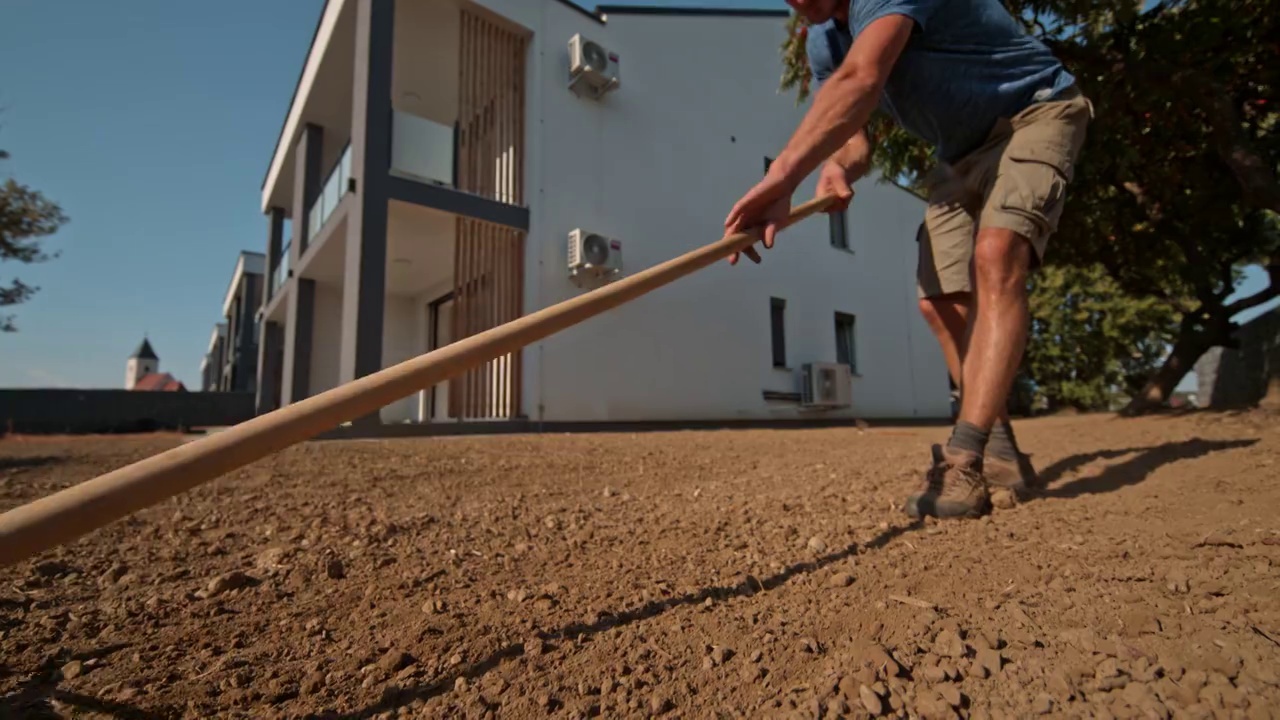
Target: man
column 1007, row 122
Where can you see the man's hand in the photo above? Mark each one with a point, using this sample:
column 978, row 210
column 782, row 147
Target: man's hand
column 765, row 208
column 835, row 180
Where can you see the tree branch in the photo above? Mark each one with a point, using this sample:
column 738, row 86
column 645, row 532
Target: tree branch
column 1267, row 294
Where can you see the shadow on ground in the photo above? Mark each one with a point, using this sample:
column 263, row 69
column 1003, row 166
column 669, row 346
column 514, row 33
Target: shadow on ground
column 1146, row 460
column 27, row 463
column 609, row 621
column 35, row 700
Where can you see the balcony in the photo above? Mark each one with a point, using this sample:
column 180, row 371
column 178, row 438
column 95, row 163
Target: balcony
column 422, row 149
column 331, row 192
column 282, row 268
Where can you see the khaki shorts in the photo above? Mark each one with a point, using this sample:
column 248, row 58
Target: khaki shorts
column 1016, row 180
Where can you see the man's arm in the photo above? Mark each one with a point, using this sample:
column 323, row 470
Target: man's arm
column 855, row 155
column 844, row 103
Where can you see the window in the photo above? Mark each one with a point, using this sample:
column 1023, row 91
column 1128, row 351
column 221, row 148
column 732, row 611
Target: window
column 767, row 162
column 839, row 230
column 846, row 344
column 777, row 307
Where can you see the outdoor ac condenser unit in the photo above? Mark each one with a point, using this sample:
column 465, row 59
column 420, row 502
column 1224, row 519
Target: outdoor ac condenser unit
column 593, row 69
column 593, row 254
column 826, row 385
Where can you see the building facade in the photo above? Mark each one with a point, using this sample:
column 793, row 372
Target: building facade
column 230, row 363
column 443, row 162
column 211, row 365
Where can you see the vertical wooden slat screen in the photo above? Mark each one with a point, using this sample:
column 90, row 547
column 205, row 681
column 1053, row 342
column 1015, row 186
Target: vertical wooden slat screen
column 489, row 273
column 491, row 109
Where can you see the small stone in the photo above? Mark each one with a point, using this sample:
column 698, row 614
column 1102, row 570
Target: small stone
column 608, row 492
column 949, row 644
column 756, row 655
column 989, row 659
column 935, row 674
column 870, row 700
column 1003, row 499
column 950, row 693
column 817, row 545
column 659, row 704
column 72, row 670
column 840, row 580
column 394, row 660
column 334, row 570
column 226, row 583
column 460, row 685
column 720, row 654
column 1043, row 704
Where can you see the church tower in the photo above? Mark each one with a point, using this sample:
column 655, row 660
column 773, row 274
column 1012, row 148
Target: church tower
column 143, row 362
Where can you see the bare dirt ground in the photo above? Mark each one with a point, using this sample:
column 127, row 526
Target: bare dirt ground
column 698, row 574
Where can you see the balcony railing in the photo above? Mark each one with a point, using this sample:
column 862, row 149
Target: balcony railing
column 335, row 186
column 421, row 149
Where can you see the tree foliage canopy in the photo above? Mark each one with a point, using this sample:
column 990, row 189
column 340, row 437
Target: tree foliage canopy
column 26, row 218
column 1176, row 187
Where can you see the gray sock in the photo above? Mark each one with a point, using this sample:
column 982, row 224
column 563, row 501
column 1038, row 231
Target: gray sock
column 968, row 437
column 1002, row 443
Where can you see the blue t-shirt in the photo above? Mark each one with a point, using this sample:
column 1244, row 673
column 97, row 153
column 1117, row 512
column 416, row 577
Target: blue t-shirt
column 968, row 62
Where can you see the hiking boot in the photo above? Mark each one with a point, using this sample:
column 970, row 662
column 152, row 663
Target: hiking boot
column 1016, row 476
column 953, row 487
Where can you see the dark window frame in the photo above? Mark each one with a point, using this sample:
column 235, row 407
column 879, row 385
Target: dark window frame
column 847, row 347
column 839, row 230
column 778, row 331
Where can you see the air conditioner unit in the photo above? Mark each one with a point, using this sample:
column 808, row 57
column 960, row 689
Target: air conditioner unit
column 593, row 254
column 826, row 385
column 593, row 70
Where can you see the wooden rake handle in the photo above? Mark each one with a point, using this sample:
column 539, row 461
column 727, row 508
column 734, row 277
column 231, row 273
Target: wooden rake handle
column 75, row 511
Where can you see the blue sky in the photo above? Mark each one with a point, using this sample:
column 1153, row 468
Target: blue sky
column 153, row 133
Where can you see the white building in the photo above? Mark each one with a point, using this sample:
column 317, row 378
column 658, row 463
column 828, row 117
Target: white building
column 435, row 161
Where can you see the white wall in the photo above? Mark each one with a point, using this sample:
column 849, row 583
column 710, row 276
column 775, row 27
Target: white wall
column 425, row 62
column 658, row 164
column 402, row 337
column 326, row 337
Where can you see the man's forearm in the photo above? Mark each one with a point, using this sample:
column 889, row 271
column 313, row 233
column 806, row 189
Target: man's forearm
column 840, row 109
column 855, row 155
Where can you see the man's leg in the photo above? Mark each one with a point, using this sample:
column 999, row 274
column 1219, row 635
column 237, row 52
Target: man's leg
column 953, row 485
column 1026, row 171
column 1001, row 263
column 1004, row 464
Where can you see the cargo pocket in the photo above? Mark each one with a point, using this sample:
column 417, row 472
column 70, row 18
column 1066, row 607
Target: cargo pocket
column 1032, row 182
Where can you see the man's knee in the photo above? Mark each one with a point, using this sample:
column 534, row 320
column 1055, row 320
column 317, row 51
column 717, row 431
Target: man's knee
column 1002, row 259
column 944, row 312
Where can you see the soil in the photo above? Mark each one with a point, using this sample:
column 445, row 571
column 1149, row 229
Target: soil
column 724, row 574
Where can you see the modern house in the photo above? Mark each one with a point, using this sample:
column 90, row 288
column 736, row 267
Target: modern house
column 230, row 363
column 446, row 166
column 214, row 359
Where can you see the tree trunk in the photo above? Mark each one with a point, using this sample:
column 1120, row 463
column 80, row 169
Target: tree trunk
column 1182, row 359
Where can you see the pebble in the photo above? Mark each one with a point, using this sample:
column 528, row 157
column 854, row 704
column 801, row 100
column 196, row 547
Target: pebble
column 659, row 704
column 840, row 580
column 1043, row 704
column 720, row 654
column 949, row 644
column 72, row 670
column 394, row 660
column 989, row 659
column 817, row 545
column 950, row 693
column 870, row 700
column 226, row 582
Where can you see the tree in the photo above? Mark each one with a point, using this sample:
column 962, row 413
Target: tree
column 1176, row 188
column 1093, row 340
column 26, row 219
